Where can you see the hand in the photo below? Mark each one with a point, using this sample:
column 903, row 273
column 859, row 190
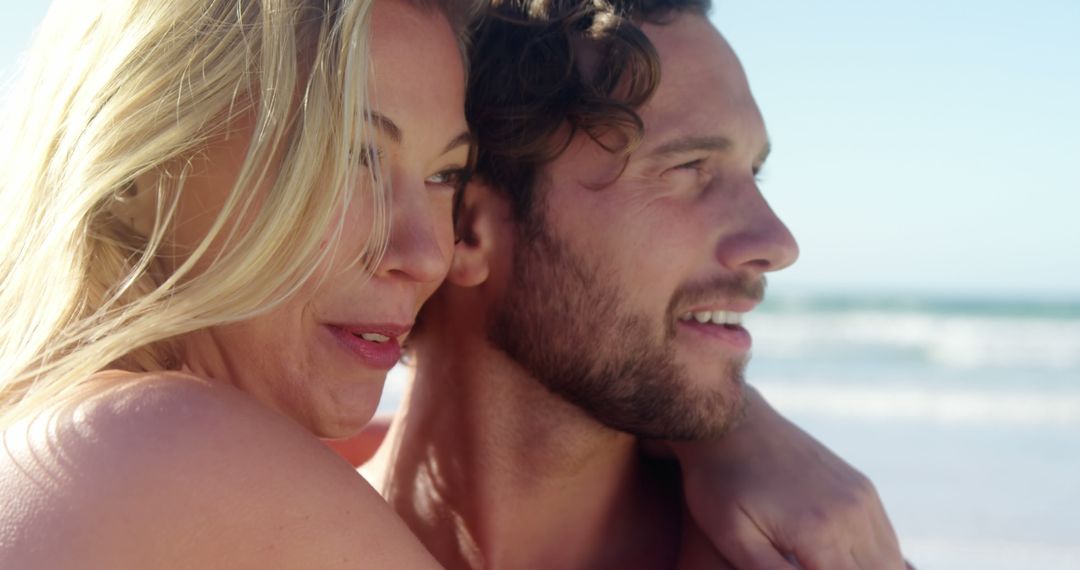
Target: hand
column 768, row 496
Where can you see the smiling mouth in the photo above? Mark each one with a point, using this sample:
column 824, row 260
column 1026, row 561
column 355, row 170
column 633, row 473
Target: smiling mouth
column 729, row 319
column 374, row 349
column 724, row 327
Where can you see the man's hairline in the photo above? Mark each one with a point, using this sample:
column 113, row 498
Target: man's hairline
column 661, row 17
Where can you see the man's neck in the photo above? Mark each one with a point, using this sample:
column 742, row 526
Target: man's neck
column 492, row 470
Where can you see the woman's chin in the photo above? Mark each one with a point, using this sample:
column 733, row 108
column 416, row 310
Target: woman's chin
column 342, row 428
column 346, row 417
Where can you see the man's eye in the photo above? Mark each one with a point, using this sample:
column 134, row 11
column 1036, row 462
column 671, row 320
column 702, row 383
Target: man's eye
column 691, row 171
column 453, row 177
column 692, row 165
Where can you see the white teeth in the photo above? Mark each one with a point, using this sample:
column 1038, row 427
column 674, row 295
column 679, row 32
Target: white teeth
column 714, row 317
column 374, row 337
column 726, row 318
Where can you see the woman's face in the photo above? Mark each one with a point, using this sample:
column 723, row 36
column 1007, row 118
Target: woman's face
column 321, row 358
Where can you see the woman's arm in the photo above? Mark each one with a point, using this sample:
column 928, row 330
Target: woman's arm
column 767, row 493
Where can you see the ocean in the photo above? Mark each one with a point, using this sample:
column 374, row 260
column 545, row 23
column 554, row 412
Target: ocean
column 964, row 413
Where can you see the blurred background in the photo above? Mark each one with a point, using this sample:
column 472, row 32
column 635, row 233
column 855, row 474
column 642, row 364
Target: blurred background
column 927, row 157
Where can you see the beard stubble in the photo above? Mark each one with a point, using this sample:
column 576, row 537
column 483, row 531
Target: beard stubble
column 564, row 319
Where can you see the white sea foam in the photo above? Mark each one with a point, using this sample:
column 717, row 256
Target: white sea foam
column 986, row 554
column 922, row 403
column 946, row 340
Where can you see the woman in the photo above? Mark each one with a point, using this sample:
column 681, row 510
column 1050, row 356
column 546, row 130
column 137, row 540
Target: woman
column 198, row 233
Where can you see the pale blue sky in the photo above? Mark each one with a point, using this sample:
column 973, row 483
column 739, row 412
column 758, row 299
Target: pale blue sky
column 918, row 145
column 926, row 145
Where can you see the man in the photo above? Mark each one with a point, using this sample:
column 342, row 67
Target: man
column 609, row 247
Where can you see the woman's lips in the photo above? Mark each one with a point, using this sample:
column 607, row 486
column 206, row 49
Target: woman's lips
column 376, row 346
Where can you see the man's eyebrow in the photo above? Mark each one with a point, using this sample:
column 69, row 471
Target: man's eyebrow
column 384, row 124
column 690, row 144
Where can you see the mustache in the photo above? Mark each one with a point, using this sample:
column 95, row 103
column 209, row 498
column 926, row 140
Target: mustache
column 742, row 286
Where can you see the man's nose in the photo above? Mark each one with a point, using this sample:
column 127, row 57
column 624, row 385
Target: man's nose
column 756, row 240
column 413, row 252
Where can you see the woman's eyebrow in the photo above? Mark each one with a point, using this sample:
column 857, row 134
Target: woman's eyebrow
column 394, row 133
column 384, row 124
column 463, row 139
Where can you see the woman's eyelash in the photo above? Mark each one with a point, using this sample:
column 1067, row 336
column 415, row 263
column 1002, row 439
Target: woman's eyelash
column 369, row 155
column 451, row 177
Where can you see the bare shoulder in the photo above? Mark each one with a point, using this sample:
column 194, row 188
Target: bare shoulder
column 167, row 470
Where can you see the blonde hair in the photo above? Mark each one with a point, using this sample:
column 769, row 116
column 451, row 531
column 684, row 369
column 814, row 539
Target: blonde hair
column 113, row 91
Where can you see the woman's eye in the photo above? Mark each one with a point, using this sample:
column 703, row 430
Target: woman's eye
column 368, row 155
column 453, row 177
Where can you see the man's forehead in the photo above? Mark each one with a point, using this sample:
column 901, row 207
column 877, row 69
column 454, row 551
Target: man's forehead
column 703, row 91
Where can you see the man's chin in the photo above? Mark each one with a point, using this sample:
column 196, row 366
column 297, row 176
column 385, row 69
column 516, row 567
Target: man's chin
column 727, row 416
column 687, row 418
column 706, row 407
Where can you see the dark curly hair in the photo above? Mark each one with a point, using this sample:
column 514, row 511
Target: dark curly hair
column 541, row 71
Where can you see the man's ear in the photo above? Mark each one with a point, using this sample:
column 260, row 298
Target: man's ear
column 482, row 219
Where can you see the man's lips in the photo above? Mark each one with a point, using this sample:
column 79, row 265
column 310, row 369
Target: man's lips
column 721, row 323
column 733, row 337
column 735, row 304
column 375, row 345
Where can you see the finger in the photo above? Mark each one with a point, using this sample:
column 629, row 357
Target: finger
column 820, row 540
column 880, row 560
column 820, row 548
column 747, row 547
column 880, row 548
column 826, row 557
column 879, row 553
column 860, row 530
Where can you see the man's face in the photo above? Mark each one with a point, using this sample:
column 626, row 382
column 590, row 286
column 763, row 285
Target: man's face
column 626, row 299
